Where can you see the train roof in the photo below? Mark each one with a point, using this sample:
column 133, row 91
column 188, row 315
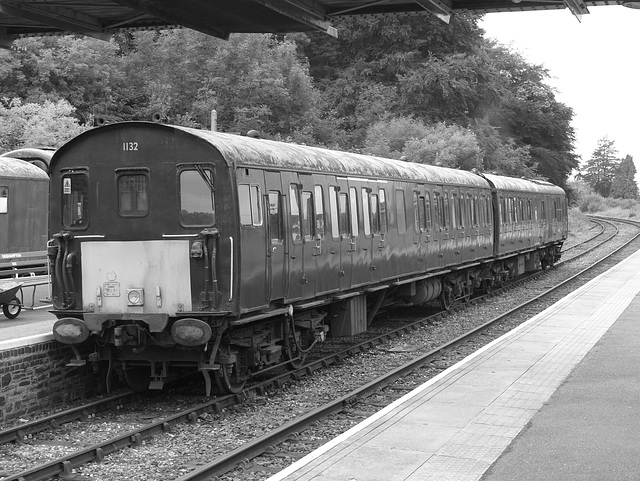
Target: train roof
column 279, row 155
column 240, row 151
column 11, row 168
column 523, row 185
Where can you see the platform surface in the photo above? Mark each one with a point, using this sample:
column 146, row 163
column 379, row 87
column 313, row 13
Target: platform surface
column 34, row 324
column 567, row 409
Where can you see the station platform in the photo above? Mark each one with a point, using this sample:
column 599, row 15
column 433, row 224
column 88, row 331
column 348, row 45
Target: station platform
column 556, row 398
column 34, row 324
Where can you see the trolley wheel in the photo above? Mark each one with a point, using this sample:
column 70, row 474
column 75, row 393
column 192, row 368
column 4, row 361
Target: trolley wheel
column 227, row 381
column 12, row 309
column 138, row 378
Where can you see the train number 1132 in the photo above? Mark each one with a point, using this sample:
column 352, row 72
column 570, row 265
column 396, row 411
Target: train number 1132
column 129, row 145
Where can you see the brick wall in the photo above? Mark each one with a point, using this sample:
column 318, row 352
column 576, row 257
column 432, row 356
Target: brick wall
column 34, row 378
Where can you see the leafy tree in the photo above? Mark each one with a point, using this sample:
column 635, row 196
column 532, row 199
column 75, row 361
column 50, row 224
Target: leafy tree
column 388, row 138
column 83, row 71
column 446, row 145
column 600, row 168
column 623, row 185
column 49, row 124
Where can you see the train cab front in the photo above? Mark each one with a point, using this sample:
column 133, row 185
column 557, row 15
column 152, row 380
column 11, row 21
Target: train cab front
column 134, row 250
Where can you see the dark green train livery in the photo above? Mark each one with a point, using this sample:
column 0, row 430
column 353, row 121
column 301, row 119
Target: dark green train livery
column 24, row 196
column 175, row 249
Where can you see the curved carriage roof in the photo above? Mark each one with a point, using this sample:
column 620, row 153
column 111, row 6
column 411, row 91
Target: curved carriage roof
column 11, row 168
column 523, row 185
column 246, row 151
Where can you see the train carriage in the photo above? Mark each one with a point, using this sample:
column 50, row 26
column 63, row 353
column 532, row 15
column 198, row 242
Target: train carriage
column 24, row 190
column 175, row 248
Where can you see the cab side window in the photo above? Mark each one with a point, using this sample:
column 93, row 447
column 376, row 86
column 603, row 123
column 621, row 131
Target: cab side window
column 75, row 200
column 197, row 206
column 4, row 199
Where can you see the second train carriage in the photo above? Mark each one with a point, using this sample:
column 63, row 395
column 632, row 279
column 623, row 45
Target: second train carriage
column 180, row 248
column 24, row 191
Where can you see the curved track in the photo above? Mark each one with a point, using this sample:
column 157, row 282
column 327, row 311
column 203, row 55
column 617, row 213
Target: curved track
column 65, row 465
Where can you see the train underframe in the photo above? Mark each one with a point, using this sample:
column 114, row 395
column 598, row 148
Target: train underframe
column 240, row 349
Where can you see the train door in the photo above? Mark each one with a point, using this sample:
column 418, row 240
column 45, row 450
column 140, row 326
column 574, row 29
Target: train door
column 441, row 208
column 276, row 256
column 328, row 254
column 376, row 243
column 380, row 229
column 362, row 255
column 253, row 239
column 457, row 228
column 473, row 228
column 420, row 226
column 431, row 234
column 311, row 238
column 348, row 231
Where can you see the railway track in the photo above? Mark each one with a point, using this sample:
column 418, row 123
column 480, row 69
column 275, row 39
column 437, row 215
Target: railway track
column 217, row 408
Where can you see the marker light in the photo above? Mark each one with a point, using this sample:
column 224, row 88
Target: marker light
column 135, row 297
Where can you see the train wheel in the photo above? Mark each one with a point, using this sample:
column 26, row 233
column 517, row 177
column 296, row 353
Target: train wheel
column 446, row 299
column 138, row 378
column 227, row 381
column 12, row 309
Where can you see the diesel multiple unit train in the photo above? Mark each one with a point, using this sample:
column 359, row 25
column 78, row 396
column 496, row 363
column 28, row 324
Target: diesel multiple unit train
column 174, row 249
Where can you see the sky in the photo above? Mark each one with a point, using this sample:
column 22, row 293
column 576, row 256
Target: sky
column 594, row 65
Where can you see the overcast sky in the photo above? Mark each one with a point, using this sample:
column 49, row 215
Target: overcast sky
column 594, row 65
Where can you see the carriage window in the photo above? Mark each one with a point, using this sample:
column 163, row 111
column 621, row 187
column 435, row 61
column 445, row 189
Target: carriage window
column 473, row 210
column 4, row 200
column 319, row 211
column 446, row 222
column 197, row 207
column 438, row 205
column 427, row 210
column 75, row 201
column 307, row 216
column 333, row 207
column 366, row 218
column 353, row 198
column 250, row 206
column 294, row 203
column 132, row 195
column 375, row 213
column 421, row 218
column 343, row 203
column 275, row 217
column 401, row 212
column 383, row 211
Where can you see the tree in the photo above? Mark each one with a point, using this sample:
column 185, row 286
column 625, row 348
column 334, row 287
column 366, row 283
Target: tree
column 623, row 185
column 49, row 124
column 600, row 168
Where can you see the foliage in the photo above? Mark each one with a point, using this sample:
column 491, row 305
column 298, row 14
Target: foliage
column 412, row 86
column 600, row 168
column 48, row 125
column 623, row 185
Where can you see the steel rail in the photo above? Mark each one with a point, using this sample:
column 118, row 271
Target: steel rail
column 64, row 465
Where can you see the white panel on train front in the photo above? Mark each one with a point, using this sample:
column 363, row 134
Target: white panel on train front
column 136, row 276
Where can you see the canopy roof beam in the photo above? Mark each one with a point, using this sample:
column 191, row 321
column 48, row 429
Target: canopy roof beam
column 56, row 16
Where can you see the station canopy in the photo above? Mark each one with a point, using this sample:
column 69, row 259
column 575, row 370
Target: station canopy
column 219, row 18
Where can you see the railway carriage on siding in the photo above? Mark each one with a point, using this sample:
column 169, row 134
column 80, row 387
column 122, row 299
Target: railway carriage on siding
column 24, row 191
column 178, row 249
